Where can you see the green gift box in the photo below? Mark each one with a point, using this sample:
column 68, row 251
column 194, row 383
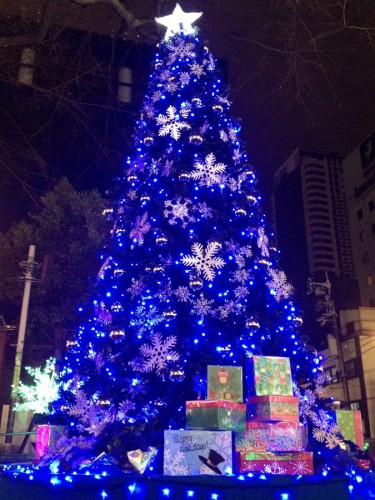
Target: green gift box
column 224, row 382
column 216, row 415
column 268, row 376
column 350, row 423
column 273, row 408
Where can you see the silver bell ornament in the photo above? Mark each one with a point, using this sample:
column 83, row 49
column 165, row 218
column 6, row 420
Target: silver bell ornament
column 176, row 374
column 195, row 282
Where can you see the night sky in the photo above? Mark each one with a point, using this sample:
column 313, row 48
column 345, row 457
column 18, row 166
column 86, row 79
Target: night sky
column 336, row 109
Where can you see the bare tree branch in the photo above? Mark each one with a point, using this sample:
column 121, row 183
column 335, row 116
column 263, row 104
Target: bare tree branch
column 120, row 9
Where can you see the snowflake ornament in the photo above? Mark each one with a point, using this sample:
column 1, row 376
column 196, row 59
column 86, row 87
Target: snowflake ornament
column 197, row 70
column 237, row 155
column 136, row 288
column 141, row 227
column 179, row 211
column 181, row 50
column 279, row 285
column 202, row 306
column 204, row 260
column 183, row 294
column 208, row 173
column 157, row 355
column 156, row 96
column 171, row 87
column 184, row 78
column 263, row 242
column 146, row 319
column 171, row 122
column 204, row 210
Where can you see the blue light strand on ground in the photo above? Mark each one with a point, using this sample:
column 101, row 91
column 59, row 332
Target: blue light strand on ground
column 358, row 485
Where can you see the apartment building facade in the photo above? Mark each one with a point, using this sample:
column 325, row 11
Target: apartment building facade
column 359, row 172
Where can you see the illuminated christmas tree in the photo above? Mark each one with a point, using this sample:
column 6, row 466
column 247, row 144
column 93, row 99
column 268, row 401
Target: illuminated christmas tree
column 190, row 276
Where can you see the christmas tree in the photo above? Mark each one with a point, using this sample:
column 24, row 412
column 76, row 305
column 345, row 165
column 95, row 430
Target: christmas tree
column 189, row 276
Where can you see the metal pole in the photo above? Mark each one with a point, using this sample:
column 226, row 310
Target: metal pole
column 340, row 354
column 28, row 276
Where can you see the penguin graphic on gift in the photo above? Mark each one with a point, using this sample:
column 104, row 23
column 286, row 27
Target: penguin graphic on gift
column 210, row 464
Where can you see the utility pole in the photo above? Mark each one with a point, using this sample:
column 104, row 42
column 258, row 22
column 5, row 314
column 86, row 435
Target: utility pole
column 28, row 277
column 326, row 306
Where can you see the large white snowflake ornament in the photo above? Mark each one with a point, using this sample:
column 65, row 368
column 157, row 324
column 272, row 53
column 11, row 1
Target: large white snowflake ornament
column 155, row 357
column 171, row 123
column 279, row 285
column 204, row 260
column 208, row 173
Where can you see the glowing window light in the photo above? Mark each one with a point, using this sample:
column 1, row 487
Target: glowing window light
column 55, row 481
column 166, row 492
column 190, row 493
column 214, row 496
column 104, row 494
column 284, row 496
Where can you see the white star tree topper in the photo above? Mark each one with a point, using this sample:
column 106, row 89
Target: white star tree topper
column 178, row 21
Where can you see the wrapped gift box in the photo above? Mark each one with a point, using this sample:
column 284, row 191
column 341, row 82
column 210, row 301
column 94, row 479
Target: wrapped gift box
column 274, row 408
column 218, row 414
column 47, row 435
column 268, row 375
column 224, row 382
column 298, row 463
column 271, row 436
column 188, row 453
column 350, row 423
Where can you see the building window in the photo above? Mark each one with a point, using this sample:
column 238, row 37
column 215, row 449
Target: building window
column 331, row 373
column 366, row 258
column 373, row 228
column 371, row 205
column 350, row 328
column 351, row 368
column 125, row 80
column 369, row 280
column 360, row 214
column 362, row 236
column 372, row 303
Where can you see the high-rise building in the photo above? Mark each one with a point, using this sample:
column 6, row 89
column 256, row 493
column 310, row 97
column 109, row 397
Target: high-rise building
column 359, row 172
column 312, row 227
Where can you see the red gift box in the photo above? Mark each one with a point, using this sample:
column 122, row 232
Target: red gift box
column 265, row 408
column 296, row 464
column 271, row 436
